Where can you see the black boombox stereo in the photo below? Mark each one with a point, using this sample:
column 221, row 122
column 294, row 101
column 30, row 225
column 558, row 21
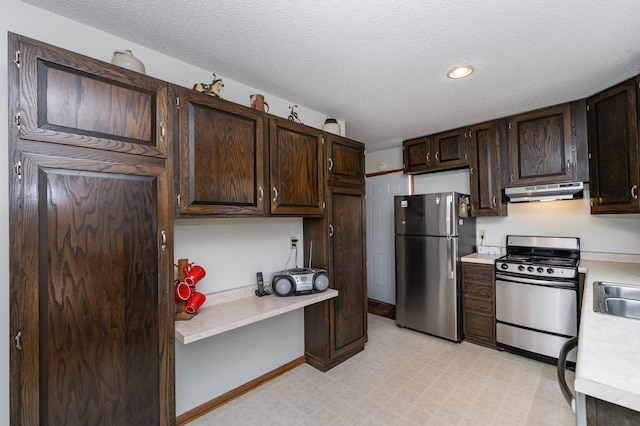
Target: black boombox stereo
column 294, row 282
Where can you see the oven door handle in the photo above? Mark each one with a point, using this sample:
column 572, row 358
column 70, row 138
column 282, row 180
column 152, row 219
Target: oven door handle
column 568, row 346
column 533, row 281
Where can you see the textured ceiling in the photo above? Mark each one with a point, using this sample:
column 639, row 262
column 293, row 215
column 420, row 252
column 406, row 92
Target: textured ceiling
column 381, row 65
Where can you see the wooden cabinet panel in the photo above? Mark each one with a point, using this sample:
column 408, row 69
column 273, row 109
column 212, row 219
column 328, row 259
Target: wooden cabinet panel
column 71, row 99
column 223, row 158
column 337, row 329
column 345, row 160
column 547, row 145
column 540, row 146
column 613, row 147
column 442, row 151
column 91, row 255
column 479, row 328
column 485, row 168
column 449, row 149
column 604, row 413
column 416, row 155
column 347, row 272
column 479, row 303
column 296, row 168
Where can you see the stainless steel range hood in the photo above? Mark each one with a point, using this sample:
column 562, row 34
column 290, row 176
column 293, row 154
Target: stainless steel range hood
column 554, row 191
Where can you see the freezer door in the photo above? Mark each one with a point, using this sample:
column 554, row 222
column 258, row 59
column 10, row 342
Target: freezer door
column 427, row 287
column 427, row 214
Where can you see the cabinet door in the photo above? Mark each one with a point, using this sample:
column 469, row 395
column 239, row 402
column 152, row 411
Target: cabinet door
column 70, row 99
column 296, row 168
column 613, row 148
column 416, row 155
column 485, row 170
column 449, row 150
column 222, row 157
column 337, row 329
column 540, row 146
column 345, row 160
column 89, row 288
column 347, row 271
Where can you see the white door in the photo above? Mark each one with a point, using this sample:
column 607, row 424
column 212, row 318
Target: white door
column 381, row 280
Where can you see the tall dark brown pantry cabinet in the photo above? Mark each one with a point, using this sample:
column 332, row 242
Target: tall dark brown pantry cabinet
column 337, row 329
column 613, row 149
column 91, row 319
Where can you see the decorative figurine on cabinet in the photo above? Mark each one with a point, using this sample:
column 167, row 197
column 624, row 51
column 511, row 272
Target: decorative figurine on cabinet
column 293, row 115
column 212, row 89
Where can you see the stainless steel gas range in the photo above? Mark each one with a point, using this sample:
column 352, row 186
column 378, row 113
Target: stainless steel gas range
column 537, row 295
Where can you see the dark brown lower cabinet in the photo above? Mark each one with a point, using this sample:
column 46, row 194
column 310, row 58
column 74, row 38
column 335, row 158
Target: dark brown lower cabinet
column 479, row 310
column 337, row 329
column 603, row 413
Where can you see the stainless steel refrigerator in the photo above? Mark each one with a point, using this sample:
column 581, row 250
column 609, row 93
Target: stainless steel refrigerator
column 433, row 231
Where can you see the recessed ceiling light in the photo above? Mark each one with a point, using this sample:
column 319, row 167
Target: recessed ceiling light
column 460, row 72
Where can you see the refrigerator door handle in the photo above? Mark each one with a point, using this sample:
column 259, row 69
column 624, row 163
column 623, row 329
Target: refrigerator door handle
column 451, row 258
column 448, row 216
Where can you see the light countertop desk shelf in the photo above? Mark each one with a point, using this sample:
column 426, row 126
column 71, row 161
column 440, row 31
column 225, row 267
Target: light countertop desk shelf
column 231, row 309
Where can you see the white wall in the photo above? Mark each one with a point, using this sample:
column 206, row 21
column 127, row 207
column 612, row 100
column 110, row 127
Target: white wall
column 598, row 233
column 231, row 250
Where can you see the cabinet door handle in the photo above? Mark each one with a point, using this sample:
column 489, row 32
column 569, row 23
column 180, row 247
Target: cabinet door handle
column 494, row 201
column 471, row 170
column 330, row 164
column 162, row 131
column 261, row 192
column 275, row 194
column 18, row 340
column 634, row 195
column 511, row 178
column 437, row 157
column 427, row 157
column 568, row 165
column 330, row 230
column 163, row 241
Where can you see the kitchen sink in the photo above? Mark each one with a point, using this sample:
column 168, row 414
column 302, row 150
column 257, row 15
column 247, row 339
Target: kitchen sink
column 616, row 299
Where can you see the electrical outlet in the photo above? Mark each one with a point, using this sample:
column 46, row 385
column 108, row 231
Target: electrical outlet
column 483, row 234
column 293, row 242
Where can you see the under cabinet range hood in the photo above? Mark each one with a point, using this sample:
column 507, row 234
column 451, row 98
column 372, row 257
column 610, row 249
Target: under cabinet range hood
column 550, row 192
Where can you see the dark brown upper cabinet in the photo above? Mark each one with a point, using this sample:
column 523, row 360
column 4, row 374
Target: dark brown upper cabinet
column 345, row 160
column 222, row 157
column 434, row 153
column 70, row 99
column 416, row 155
column 613, row 149
column 485, row 164
column 296, row 168
column 548, row 145
column 450, row 150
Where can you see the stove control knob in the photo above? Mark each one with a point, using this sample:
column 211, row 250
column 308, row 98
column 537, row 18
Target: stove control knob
column 540, row 269
column 530, row 269
column 550, row 271
column 520, row 268
column 504, row 266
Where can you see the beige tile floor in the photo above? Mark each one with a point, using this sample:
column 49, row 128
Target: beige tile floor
column 406, row 378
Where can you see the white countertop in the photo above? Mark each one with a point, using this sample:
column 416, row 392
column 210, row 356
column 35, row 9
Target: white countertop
column 608, row 363
column 231, row 309
column 488, row 259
